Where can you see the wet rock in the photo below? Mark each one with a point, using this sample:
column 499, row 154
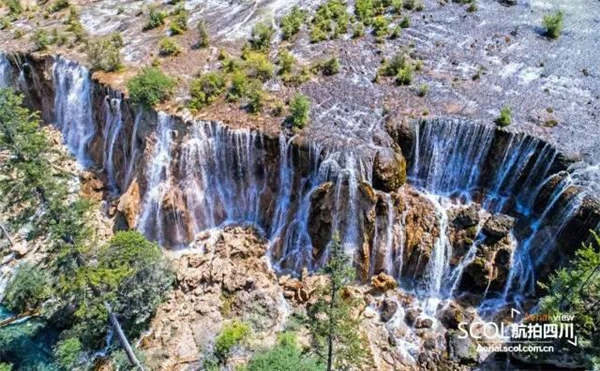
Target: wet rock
column 461, row 349
column 452, row 315
column 383, row 282
column 498, row 226
column 130, row 203
column 466, row 217
column 389, row 170
column 321, row 217
column 92, row 187
column 424, row 323
column 388, row 309
column 411, row 316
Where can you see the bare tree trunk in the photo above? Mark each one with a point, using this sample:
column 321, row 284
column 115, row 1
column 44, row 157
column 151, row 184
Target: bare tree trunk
column 5, row 232
column 123, row 339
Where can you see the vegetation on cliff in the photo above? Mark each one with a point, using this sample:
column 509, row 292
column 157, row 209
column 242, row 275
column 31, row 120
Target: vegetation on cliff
column 82, row 276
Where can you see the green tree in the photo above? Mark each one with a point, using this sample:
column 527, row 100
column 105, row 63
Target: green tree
column 290, row 23
column 150, row 86
column 203, row 36
column 105, row 53
column 27, row 289
column 576, row 290
column 299, row 111
column 335, row 328
column 67, row 353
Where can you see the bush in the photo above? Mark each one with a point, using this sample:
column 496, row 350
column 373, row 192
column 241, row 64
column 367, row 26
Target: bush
column 156, row 18
column 364, row 10
column 178, row 24
column 167, row 46
column 331, row 66
column 261, row 37
column 359, row 30
column 14, row 6
column 5, row 366
column 393, row 67
column 150, row 86
column 59, row 5
column 256, row 98
column 405, row 23
column 299, row 111
column 27, row 289
column 553, row 24
column 105, row 54
column 290, row 24
column 258, row 66
column 286, row 62
column 330, row 21
column 380, row 26
column 286, row 355
column 66, row 352
column 505, row 117
column 41, row 39
column 397, row 6
column 239, row 86
column 404, row 76
column 423, row 90
column 203, row 37
column 231, row 335
column 205, row 89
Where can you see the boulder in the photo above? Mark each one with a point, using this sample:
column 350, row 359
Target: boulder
column 466, row 217
column 389, row 170
column 388, row 309
column 460, row 349
column 130, row 203
column 383, row 282
column 498, row 226
column 452, row 315
column 321, row 217
column 92, row 187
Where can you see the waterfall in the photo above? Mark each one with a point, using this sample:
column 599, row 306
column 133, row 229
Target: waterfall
column 112, row 130
column 73, row 106
column 158, row 176
column 133, row 151
column 448, row 156
column 439, row 261
column 5, row 72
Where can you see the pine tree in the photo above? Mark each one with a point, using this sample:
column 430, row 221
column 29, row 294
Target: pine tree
column 333, row 324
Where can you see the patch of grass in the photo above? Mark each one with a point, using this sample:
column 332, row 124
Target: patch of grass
column 404, row 75
column 331, row 66
column 41, row 39
column 553, row 24
column 292, row 22
column 286, row 355
column 150, row 86
column 359, row 30
column 14, row 6
column 423, row 90
column 167, row 46
column 231, row 335
column 505, row 117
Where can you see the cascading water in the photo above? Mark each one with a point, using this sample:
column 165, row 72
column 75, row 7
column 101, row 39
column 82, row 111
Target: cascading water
column 112, row 130
column 73, row 106
column 5, row 72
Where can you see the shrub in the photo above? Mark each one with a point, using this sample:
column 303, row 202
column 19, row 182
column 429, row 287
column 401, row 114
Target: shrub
column 256, row 99
column 423, row 90
column 405, row 23
column 397, row 6
column 261, row 37
column 66, row 352
column 27, row 289
column 156, row 18
column 150, row 86
column 41, row 39
column 231, row 335
column 380, row 26
column 286, row 355
column 299, row 111
column 14, row 6
column 290, row 24
column 396, row 32
column 205, row 89
column 364, row 10
column 286, row 62
column 5, row 366
column 331, row 66
column 505, row 117
column 410, row 4
column 330, row 21
column 239, row 86
column 167, row 46
column 105, row 54
column 203, row 37
column 553, row 24
column 178, row 24
column 59, row 5
column 404, row 76
column 258, row 66
column 359, row 30
column 397, row 63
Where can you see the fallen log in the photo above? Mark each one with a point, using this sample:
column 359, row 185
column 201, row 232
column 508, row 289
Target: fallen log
column 123, row 339
column 13, row 319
